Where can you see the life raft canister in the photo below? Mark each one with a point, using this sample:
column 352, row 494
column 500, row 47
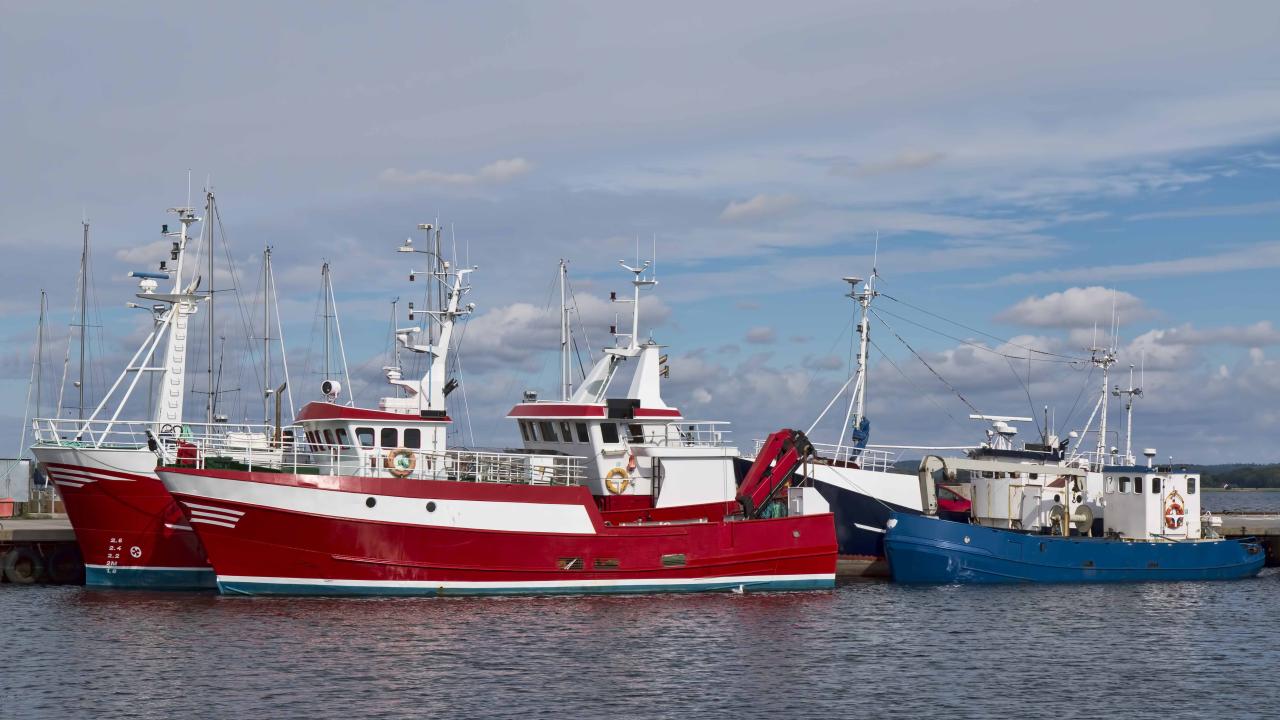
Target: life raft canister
column 400, row 462
column 617, row 480
column 1174, row 511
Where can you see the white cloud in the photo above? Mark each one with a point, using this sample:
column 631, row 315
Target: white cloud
column 1258, row 208
column 1252, row 257
column 761, row 205
column 907, row 160
column 761, row 335
column 1257, row 335
column 495, row 173
column 1076, row 307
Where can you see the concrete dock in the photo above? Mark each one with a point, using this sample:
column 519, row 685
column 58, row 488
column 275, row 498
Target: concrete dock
column 1263, row 526
column 40, row 549
column 25, row 530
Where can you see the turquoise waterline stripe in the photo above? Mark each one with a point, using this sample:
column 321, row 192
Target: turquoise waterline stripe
column 270, row 588
column 150, row 578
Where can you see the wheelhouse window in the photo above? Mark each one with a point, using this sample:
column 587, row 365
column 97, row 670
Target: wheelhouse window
column 636, row 432
column 524, row 430
column 582, row 433
column 548, row 431
column 1155, row 485
column 533, row 431
column 342, row 437
column 565, row 434
column 1124, row 485
column 1191, row 486
column 609, row 432
column 1137, row 484
column 1111, row 483
column 390, row 437
column 365, row 436
column 328, row 437
column 413, row 438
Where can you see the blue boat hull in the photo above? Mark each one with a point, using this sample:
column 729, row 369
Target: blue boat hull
column 924, row 549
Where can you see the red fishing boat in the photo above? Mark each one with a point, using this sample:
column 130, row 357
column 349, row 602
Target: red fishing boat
column 609, row 494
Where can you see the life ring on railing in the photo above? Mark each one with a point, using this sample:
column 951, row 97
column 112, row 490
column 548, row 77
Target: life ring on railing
column 617, row 480
column 1174, row 511
column 400, row 462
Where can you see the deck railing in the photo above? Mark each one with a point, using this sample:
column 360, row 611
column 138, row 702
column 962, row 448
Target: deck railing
column 127, row 434
column 703, row 433
column 451, row 465
column 865, row 458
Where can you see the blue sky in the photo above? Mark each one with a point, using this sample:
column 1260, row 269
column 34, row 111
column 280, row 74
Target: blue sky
column 1024, row 166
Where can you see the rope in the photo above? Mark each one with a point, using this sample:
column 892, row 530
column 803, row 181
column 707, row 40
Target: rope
column 927, row 365
column 980, row 332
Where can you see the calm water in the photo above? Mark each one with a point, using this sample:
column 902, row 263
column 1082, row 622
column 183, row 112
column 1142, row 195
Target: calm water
column 868, row 649
column 1241, row 500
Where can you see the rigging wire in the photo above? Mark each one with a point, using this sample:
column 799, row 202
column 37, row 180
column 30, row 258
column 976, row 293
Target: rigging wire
column 915, row 387
column 1028, row 348
column 926, row 364
column 1076, row 362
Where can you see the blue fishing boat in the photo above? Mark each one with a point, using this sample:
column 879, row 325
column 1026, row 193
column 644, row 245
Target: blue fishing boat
column 1041, row 531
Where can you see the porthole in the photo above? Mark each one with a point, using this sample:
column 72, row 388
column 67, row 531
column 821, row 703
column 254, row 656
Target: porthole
column 431, row 506
column 966, row 540
column 370, row 502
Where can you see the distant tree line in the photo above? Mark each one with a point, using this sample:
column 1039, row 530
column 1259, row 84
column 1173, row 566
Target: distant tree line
column 1239, row 475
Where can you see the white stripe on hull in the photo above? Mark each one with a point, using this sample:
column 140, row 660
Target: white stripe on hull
column 525, row 585
column 154, row 568
column 462, row 514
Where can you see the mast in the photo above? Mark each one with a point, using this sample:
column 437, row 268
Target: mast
column 1103, row 358
column 207, row 229
column 40, row 349
column 566, row 383
column 266, row 335
column 324, row 274
column 84, row 286
column 1129, row 395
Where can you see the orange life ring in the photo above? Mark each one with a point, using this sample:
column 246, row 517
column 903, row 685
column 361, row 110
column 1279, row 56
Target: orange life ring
column 1174, row 511
column 400, row 462
column 617, row 480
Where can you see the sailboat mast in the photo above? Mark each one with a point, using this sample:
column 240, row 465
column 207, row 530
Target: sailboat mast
column 84, row 287
column 566, row 384
column 40, row 349
column 266, row 335
column 324, row 273
column 208, row 230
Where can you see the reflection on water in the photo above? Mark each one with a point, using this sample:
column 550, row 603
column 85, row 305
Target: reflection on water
column 868, row 649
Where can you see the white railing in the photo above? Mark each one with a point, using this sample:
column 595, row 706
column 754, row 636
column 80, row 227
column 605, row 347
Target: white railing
column 705, row 433
column 449, row 465
column 864, row 458
column 126, row 434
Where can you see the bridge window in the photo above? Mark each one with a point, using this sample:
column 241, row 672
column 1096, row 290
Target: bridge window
column 565, row 434
column 582, row 433
column 1137, row 485
column 413, row 438
column 1191, row 486
column 636, row 432
column 1111, row 483
column 609, row 432
column 328, row 437
column 342, row 437
column 1124, row 484
column 1155, row 485
column 389, row 437
column 533, row 431
column 524, row 430
column 365, row 436
column 548, row 431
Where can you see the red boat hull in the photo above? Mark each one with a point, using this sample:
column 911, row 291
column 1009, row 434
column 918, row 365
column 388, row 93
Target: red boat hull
column 270, row 533
column 130, row 530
